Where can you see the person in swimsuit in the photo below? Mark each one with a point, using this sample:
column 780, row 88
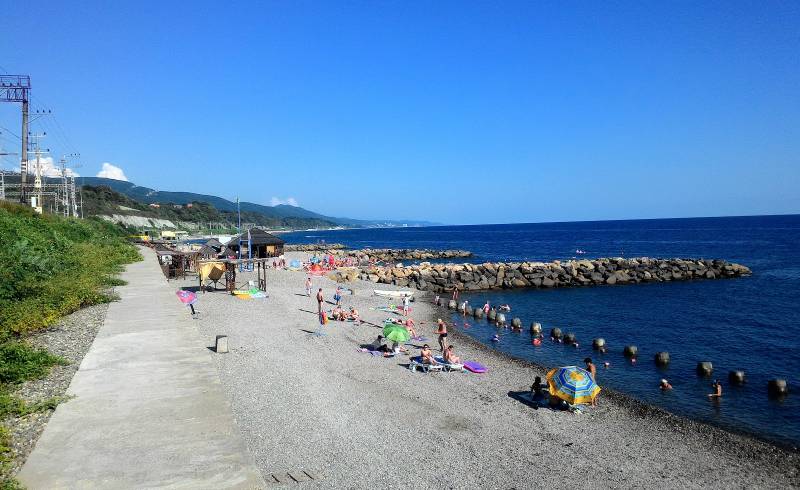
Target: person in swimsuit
column 442, row 332
column 320, row 299
column 308, row 287
column 593, row 372
column 486, row 308
column 450, row 356
column 427, row 355
column 717, row 390
column 410, row 327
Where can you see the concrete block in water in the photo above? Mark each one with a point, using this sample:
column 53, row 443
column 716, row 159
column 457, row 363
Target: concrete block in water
column 478, row 312
column 501, row 319
column 598, row 343
column 777, row 387
column 630, row 351
column 705, row 368
column 536, row 328
column 516, row 322
column 492, row 316
column 555, row 333
column 662, row 358
column 736, row 377
column 468, row 311
column 451, row 305
column 569, row 338
column 221, row 344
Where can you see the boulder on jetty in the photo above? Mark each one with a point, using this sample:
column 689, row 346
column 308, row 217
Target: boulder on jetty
column 705, row 368
column 736, row 377
column 395, row 255
column 313, row 247
column 573, row 273
column 662, row 358
column 777, row 387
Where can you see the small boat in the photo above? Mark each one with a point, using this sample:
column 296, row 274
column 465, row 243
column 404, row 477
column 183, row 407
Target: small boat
column 392, row 294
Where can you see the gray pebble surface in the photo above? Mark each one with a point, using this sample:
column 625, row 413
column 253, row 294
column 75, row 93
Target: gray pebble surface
column 316, row 404
column 71, row 339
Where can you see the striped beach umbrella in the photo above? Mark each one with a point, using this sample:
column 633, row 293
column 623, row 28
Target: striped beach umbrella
column 572, row 384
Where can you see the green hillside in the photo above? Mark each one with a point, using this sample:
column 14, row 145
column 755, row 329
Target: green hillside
column 104, row 201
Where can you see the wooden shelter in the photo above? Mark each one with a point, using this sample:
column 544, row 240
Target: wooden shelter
column 262, row 244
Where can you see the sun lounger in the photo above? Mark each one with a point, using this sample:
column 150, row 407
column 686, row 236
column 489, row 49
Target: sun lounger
column 417, row 364
column 447, row 366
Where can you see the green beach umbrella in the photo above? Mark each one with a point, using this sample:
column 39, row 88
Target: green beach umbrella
column 396, row 333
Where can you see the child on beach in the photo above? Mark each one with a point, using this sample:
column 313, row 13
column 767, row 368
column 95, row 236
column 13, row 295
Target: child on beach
column 308, row 287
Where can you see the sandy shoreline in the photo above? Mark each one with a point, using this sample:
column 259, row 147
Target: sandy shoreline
column 316, row 404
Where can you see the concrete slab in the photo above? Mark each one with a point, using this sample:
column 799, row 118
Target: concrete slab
column 149, row 411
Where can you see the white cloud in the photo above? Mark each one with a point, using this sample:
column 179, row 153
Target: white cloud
column 289, row 200
column 48, row 167
column 110, row 171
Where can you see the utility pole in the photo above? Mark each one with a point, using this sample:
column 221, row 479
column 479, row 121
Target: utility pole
column 17, row 88
column 3, row 176
column 37, row 183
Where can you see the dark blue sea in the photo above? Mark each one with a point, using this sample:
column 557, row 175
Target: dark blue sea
column 750, row 323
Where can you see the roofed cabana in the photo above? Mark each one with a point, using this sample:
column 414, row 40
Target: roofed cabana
column 262, row 244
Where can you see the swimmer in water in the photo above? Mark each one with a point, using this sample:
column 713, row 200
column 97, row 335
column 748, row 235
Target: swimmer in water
column 496, row 338
column 665, row 385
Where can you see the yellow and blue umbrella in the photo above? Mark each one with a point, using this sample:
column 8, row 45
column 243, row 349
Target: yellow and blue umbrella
column 572, row 384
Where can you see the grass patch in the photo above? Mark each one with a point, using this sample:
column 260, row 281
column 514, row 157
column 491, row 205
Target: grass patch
column 50, row 266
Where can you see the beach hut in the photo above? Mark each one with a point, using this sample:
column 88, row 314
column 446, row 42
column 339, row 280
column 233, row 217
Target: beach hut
column 215, row 244
column 262, row 244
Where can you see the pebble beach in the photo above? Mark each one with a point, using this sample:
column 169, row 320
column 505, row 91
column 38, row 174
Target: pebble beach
column 316, row 404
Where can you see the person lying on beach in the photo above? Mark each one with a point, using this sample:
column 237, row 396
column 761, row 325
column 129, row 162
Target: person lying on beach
column 441, row 331
column 717, row 389
column 450, row 357
column 665, row 385
column 427, row 355
column 397, row 348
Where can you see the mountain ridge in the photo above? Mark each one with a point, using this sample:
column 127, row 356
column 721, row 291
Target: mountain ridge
column 151, row 196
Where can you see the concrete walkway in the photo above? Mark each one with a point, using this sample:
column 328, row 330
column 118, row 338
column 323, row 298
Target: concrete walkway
column 149, row 410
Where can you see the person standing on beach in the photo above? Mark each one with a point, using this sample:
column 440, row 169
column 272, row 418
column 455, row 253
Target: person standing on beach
column 593, row 372
column 320, row 299
column 442, row 332
column 405, row 305
column 308, row 286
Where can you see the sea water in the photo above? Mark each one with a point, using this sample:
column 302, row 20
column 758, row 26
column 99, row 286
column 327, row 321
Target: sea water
column 751, row 323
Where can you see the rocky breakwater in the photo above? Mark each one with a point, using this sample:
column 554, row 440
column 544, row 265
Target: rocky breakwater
column 314, row 247
column 573, row 273
column 395, row 255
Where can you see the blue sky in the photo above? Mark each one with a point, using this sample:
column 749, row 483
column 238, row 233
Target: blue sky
column 457, row 112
